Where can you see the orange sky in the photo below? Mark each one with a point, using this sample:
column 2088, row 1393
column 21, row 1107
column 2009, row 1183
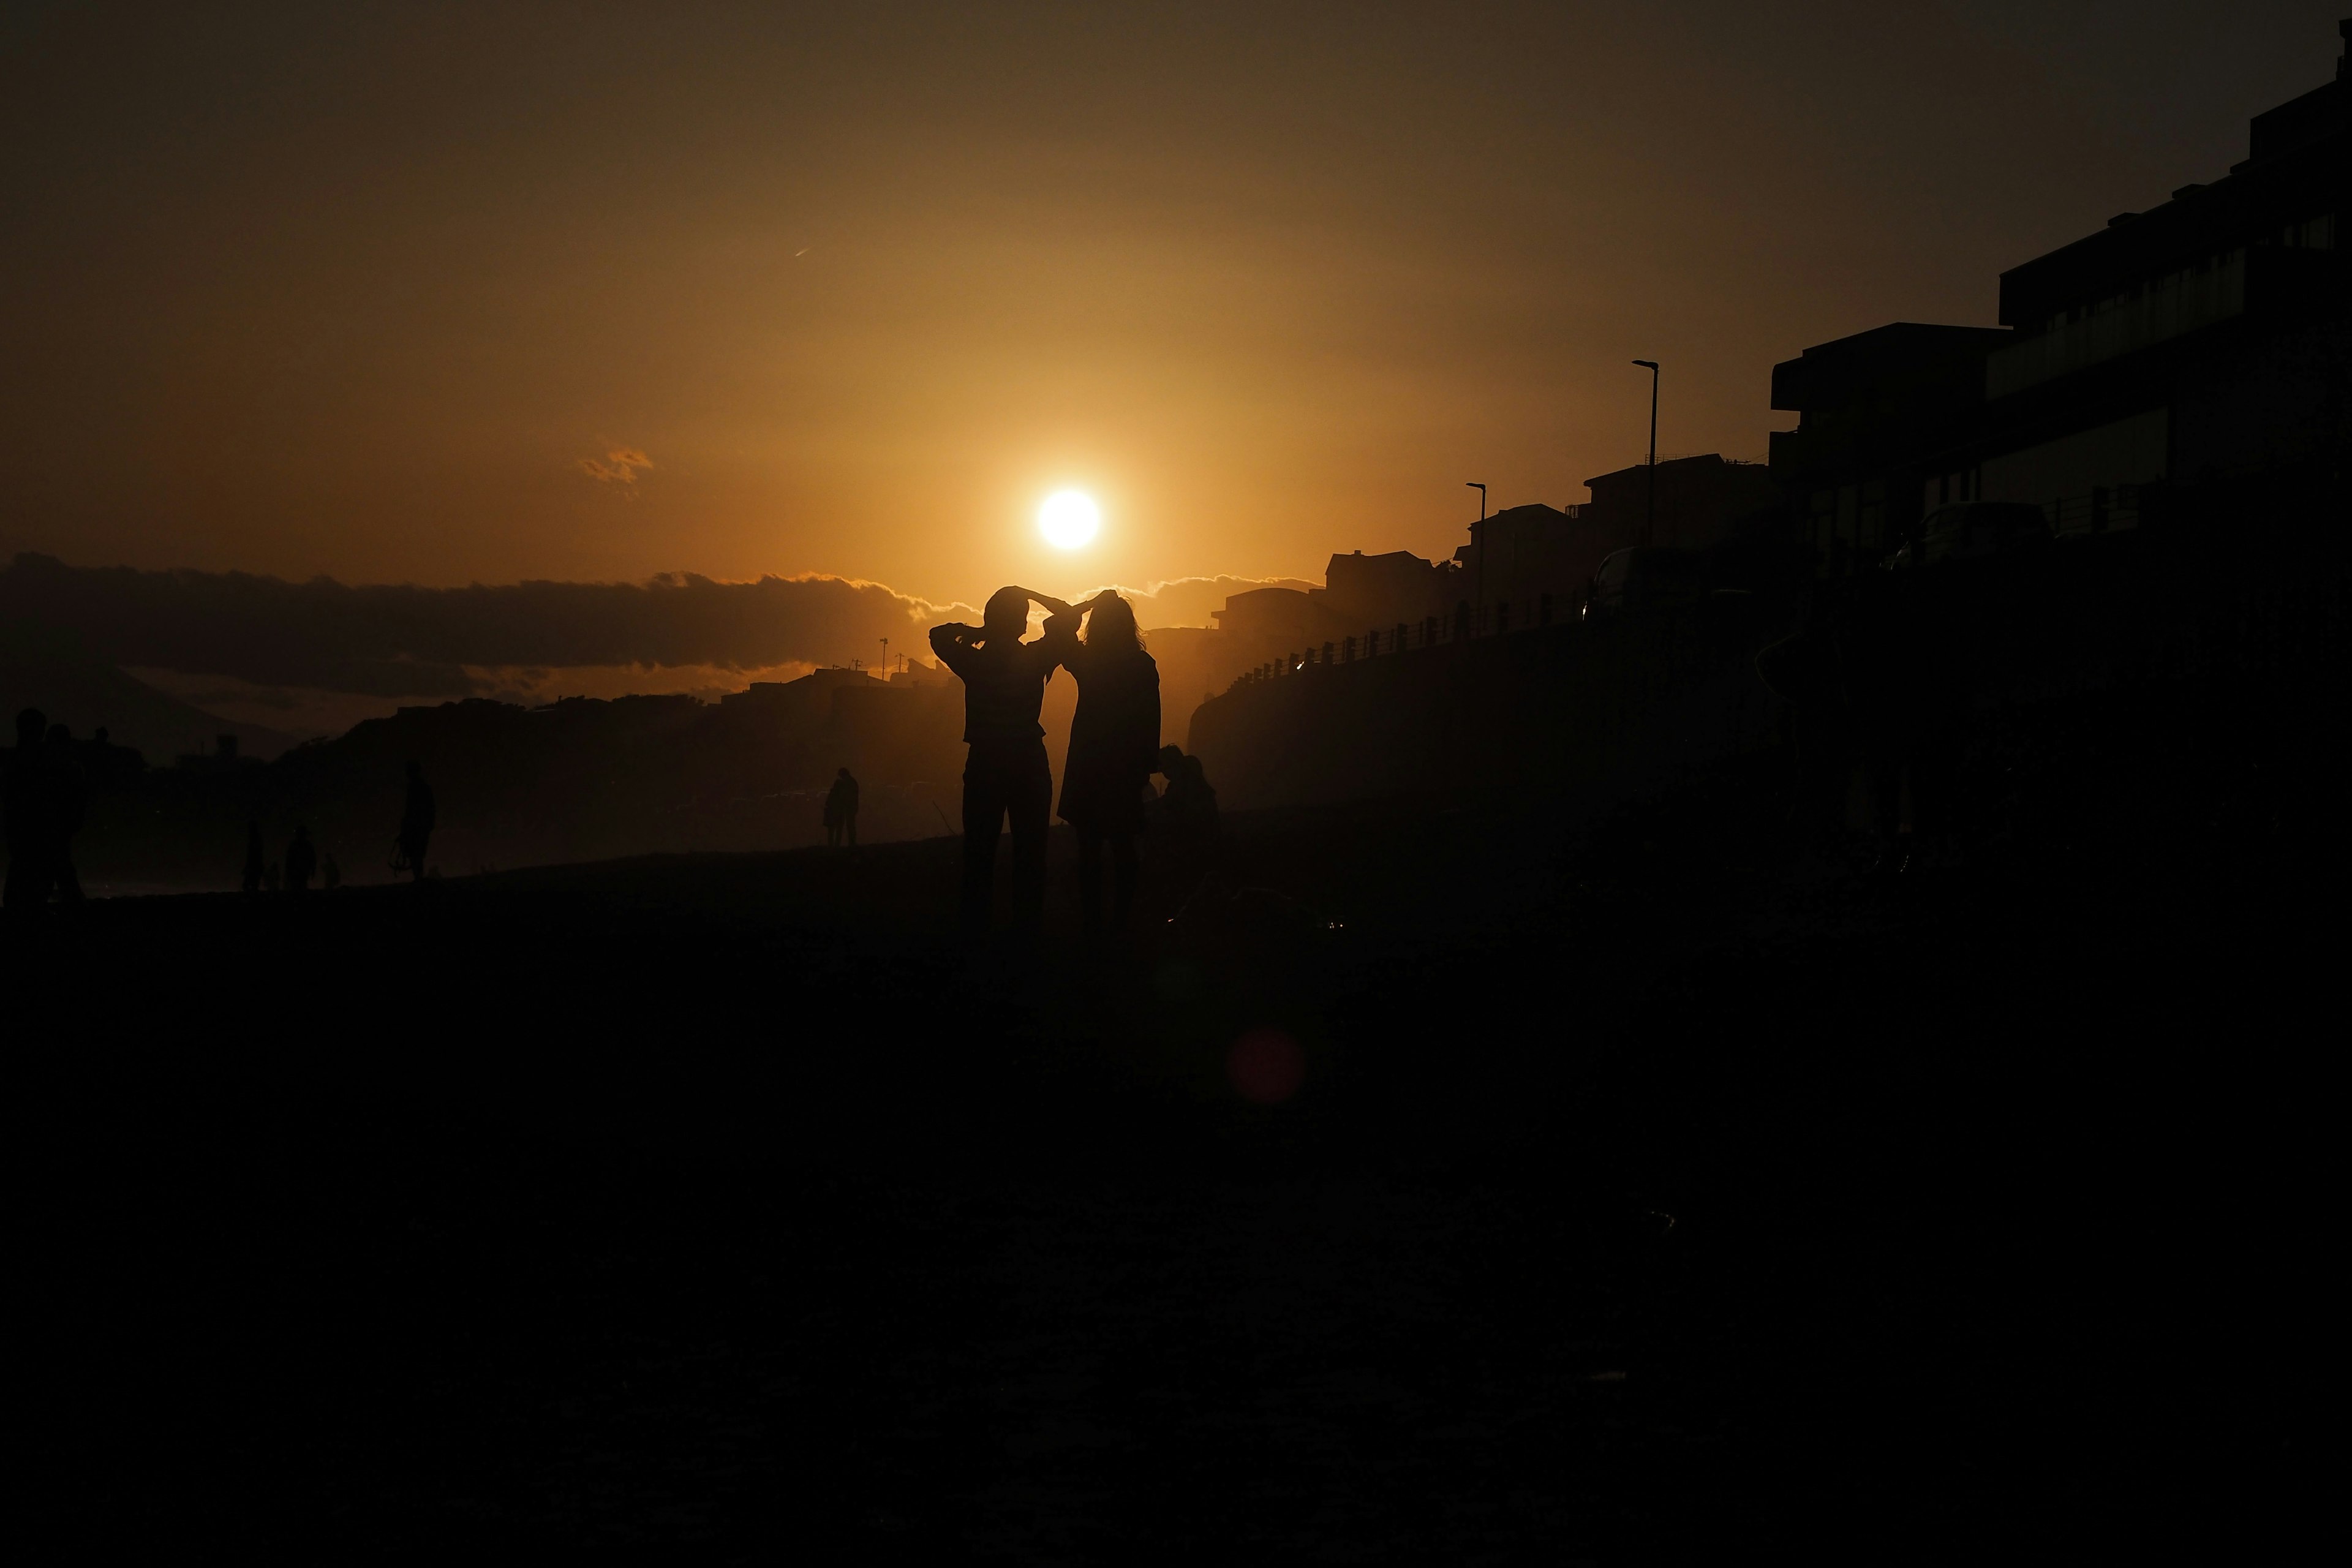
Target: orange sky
column 380, row 293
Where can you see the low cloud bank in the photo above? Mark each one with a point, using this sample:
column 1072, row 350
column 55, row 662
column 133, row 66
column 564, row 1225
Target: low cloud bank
column 403, row 641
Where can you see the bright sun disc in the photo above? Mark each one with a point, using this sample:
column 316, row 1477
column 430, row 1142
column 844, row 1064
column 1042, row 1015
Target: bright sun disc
column 1068, row 518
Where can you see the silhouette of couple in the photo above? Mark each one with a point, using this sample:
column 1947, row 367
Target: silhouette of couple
column 1114, row 747
column 46, row 794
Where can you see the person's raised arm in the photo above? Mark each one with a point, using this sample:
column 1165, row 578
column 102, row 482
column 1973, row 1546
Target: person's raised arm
column 1053, row 607
column 952, row 643
column 1061, row 638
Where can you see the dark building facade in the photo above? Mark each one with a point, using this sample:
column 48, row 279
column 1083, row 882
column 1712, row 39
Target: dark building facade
column 1522, row 558
column 1697, row 501
column 2200, row 342
column 1381, row 590
column 1526, row 557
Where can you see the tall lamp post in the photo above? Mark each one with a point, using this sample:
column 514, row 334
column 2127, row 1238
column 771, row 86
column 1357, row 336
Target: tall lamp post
column 1479, row 541
column 1650, row 521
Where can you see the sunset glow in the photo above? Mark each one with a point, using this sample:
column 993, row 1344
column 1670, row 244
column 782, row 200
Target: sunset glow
column 1069, row 519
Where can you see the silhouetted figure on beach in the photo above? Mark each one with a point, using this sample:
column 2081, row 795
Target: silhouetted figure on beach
column 301, row 861
column 1114, row 746
column 1005, row 773
column 416, row 823
column 1190, row 806
column 1187, row 828
column 69, row 784
column 841, row 811
column 253, row 858
column 43, row 807
column 331, row 876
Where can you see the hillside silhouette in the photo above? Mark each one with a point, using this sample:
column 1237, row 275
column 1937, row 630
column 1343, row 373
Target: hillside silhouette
column 42, row 666
column 583, row 778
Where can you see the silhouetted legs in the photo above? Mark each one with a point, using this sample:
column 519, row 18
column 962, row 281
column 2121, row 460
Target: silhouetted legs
column 413, row 845
column 1001, row 779
column 1123, row 876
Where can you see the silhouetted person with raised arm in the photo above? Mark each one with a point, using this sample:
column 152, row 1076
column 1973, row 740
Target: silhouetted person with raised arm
column 416, row 822
column 301, row 861
column 69, row 791
column 1005, row 773
column 841, row 811
column 253, row 858
column 1114, row 745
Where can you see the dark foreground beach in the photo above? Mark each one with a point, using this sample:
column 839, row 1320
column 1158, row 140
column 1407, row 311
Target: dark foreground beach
column 1650, row 1191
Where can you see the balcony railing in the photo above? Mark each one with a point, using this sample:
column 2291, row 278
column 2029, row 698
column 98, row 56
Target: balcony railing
column 2176, row 303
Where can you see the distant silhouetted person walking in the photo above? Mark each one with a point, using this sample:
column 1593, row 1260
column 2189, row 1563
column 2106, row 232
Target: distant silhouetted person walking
column 1005, row 774
column 1114, row 745
column 416, row 823
column 841, row 811
column 47, row 794
column 253, row 858
column 301, row 861
column 41, row 803
column 69, row 788
column 331, row 876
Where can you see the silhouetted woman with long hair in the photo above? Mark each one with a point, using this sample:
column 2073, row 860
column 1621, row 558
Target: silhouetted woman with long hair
column 1114, row 746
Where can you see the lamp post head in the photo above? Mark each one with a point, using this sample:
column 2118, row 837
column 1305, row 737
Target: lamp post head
column 1647, row 363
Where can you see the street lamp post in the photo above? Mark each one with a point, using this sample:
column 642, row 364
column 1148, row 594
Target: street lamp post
column 1650, row 521
column 1478, row 544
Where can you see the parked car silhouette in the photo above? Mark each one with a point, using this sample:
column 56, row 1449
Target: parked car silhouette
column 1645, row 578
column 1968, row 530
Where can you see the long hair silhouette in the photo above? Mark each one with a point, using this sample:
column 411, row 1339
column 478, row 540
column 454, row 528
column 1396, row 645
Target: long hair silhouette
column 1110, row 626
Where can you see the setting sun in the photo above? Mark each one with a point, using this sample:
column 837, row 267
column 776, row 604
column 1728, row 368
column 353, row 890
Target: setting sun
column 1068, row 518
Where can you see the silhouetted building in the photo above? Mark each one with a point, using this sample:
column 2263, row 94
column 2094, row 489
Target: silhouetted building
column 915, row 672
column 1285, row 616
column 2203, row 340
column 1697, row 501
column 1524, row 555
column 1365, row 591
column 809, row 697
column 1878, row 411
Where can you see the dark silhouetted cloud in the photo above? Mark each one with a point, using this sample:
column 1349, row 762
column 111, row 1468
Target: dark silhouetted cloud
column 404, row 641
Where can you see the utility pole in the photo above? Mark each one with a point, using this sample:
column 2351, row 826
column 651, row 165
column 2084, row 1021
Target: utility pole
column 1650, row 521
column 885, row 658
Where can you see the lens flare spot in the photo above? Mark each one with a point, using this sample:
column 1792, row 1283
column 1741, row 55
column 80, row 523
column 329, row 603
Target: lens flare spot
column 1069, row 519
column 1267, row 1067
